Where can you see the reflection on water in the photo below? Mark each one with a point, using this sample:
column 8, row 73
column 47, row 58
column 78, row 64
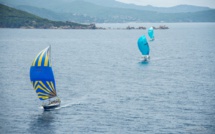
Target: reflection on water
column 144, row 62
column 42, row 123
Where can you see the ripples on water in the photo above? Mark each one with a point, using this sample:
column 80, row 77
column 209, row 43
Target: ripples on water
column 103, row 86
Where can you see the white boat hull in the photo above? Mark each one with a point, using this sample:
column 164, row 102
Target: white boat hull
column 145, row 58
column 51, row 106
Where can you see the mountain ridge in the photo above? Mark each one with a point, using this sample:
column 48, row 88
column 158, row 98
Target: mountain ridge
column 14, row 18
column 52, row 4
column 86, row 11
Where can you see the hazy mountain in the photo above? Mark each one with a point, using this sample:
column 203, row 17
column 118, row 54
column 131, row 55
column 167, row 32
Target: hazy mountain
column 55, row 4
column 48, row 4
column 175, row 9
column 95, row 11
column 57, row 16
column 42, row 12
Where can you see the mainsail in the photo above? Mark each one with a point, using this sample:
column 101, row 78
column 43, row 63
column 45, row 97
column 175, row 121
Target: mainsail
column 41, row 75
column 151, row 33
column 143, row 45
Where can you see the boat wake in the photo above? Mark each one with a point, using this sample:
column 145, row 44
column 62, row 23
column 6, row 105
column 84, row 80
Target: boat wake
column 166, row 58
column 69, row 104
column 65, row 105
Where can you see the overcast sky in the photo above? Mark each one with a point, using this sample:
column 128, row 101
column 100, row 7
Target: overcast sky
column 169, row 3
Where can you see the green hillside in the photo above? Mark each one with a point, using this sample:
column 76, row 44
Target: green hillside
column 13, row 18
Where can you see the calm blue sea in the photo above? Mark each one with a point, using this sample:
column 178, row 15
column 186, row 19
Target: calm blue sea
column 103, row 86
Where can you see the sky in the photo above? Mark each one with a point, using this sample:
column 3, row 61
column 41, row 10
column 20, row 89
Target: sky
column 169, row 3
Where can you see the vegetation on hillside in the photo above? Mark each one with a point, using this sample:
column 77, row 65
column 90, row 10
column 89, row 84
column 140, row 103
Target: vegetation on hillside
column 13, row 18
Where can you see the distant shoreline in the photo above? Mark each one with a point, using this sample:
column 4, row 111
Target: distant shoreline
column 117, row 26
column 93, row 28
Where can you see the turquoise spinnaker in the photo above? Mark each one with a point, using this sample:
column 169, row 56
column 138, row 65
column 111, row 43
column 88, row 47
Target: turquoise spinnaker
column 151, row 33
column 143, row 45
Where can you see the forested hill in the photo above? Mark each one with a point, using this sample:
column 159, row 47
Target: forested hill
column 13, row 18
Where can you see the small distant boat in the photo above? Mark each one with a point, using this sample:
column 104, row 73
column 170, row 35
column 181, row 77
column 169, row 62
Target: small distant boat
column 144, row 48
column 151, row 33
column 163, row 27
column 42, row 79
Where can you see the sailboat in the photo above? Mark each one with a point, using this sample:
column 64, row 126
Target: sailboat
column 151, row 33
column 144, row 48
column 42, row 79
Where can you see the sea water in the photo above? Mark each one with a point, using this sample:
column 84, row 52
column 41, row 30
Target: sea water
column 105, row 88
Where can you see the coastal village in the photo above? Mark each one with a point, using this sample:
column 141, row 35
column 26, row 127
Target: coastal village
column 161, row 27
column 93, row 26
column 142, row 27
